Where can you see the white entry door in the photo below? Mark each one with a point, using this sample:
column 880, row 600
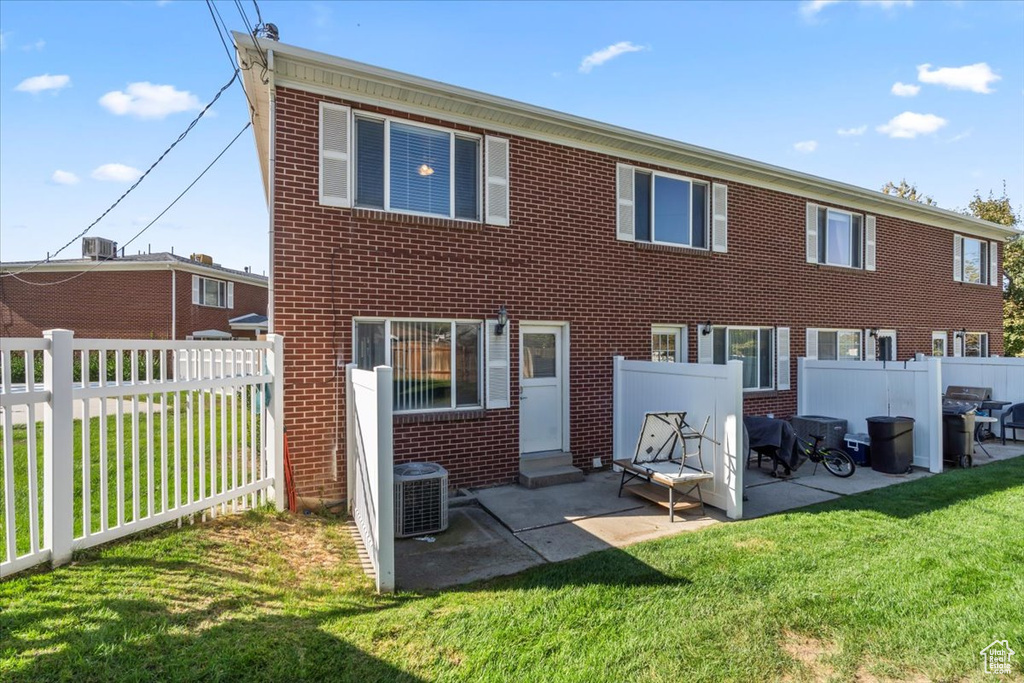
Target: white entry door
column 541, row 388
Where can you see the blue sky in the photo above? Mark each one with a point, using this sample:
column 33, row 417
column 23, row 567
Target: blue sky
column 862, row 92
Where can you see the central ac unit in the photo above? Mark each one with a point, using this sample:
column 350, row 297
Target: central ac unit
column 421, row 499
column 98, row 248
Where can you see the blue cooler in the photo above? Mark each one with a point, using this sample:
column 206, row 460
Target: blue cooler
column 858, row 447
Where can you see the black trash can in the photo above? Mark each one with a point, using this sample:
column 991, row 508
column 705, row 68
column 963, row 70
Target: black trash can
column 892, row 444
column 958, row 436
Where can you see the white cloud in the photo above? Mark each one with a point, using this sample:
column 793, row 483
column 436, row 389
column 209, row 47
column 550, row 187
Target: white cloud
column 37, row 46
column 961, row 136
column 607, row 54
column 806, row 146
column 850, row 132
column 888, row 4
column 116, row 172
column 910, row 125
column 905, row 89
column 38, row 84
column 810, row 8
column 148, row 101
column 3, row 40
column 975, row 77
column 64, row 177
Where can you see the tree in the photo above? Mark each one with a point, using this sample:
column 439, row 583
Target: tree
column 907, row 190
column 1000, row 210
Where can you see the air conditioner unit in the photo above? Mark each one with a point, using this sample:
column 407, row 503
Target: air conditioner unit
column 98, row 248
column 421, row 499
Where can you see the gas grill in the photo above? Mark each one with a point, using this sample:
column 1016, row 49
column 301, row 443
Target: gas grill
column 966, row 398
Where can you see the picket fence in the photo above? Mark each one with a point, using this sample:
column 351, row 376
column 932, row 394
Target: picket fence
column 134, row 433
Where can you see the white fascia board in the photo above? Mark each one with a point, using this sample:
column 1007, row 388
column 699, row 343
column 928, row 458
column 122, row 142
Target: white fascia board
column 115, row 266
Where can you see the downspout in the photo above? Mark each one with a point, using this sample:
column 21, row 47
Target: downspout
column 271, row 177
column 174, row 304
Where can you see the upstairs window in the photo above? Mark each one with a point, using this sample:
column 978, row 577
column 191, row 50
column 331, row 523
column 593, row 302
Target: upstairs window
column 670, row 210
column 971, row 260
column 416, row 169
column 213, row 293
column 840, row 238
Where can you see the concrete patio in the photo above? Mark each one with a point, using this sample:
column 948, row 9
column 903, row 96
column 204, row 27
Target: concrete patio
column 507, row 529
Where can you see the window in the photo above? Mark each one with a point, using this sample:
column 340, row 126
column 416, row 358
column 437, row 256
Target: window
column 837, row 344
column 976, row 344
column 416, row 169
column 974, row 266
column 840, row 238
column 668, row 344
column 670, row 210
column 938, row 343
column 436, row 363
column 751, row 345
column 214, row 293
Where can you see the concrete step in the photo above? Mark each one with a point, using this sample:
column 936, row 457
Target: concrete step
column 538, row 477
column 545, row 459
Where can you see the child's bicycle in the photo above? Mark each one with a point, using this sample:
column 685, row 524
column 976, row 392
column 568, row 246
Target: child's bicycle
column 837, row 462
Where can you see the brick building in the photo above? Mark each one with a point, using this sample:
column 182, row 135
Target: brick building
column 144, row 296
column 409, row 217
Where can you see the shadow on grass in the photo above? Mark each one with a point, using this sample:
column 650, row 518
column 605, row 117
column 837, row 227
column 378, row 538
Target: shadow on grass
column 931, row 494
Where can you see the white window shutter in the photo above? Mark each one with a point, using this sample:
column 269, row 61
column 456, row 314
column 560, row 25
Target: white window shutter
column 869, row 243
column 625, row 229
column 720, row 218
column 335, row 169
column 811, row 351
column 705, row 346
column 497, row 188
column 782, row 370
column 958, row 258
column 812, row 233
column 870, row 346
column 196, row 294
column 993, row 265
column 231, row 295
column 498, row 381
column 958, row 344
column 684, row 345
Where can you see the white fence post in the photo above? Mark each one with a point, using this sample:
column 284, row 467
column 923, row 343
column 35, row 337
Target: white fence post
column 385, row 480
column 933, row 382
column 618, row 416
column 734, row 457
column 58, row 446
column 801, row 393
column 350, row 440
column 275, row 420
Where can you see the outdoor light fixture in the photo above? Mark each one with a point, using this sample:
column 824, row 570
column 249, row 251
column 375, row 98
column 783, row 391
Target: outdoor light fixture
column 705, row 329
column 874, row 332
column 502, row 320
column 963, row 333
column 425, row 170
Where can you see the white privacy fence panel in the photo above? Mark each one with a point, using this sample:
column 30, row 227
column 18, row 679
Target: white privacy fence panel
column 702, row 391
column 1004, row 375
column 370, row 462
column 126, row 443
column 856, row 390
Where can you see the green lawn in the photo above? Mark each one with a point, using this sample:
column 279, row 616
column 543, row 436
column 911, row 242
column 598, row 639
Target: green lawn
column 904, row 583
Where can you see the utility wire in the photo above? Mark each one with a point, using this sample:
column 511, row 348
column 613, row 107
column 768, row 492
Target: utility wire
column 167, row 151
column 144, row 229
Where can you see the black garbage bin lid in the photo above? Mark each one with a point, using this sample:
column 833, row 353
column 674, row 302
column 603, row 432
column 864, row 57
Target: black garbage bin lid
column 885, row 419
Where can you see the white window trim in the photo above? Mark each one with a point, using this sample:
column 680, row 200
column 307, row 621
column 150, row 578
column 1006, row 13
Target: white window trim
column 826, row 262
column 985, row 269
column 202, row 292
column 681, row 341
column 774, row 383
column 939, row 335
column 837, row 330
column 984, row 338
column 452, row 134
column 674, row 176
column 481, row 367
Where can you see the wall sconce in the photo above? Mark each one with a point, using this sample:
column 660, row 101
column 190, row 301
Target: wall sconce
column 705, row 329
column 502, row 320
column 873, row 332
column 962, row 333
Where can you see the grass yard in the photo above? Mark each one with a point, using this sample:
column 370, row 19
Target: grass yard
column 904, row 583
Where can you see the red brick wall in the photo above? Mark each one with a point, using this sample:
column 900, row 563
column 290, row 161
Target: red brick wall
column 115, row 305
column 559, row 260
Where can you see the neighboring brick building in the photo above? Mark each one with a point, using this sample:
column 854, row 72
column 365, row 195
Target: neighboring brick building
column 406, row 213
column 146, row 296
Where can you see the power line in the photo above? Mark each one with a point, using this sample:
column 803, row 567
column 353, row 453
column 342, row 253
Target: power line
column 145, row 228
column 167, row 151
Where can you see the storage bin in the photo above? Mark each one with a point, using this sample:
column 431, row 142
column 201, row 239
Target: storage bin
column 858, row 447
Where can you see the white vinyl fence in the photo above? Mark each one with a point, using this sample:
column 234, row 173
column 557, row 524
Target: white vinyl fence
column 126, row 444
column 1004, row 375
column 702, row 390
column 856, row 390
column 370, row 463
